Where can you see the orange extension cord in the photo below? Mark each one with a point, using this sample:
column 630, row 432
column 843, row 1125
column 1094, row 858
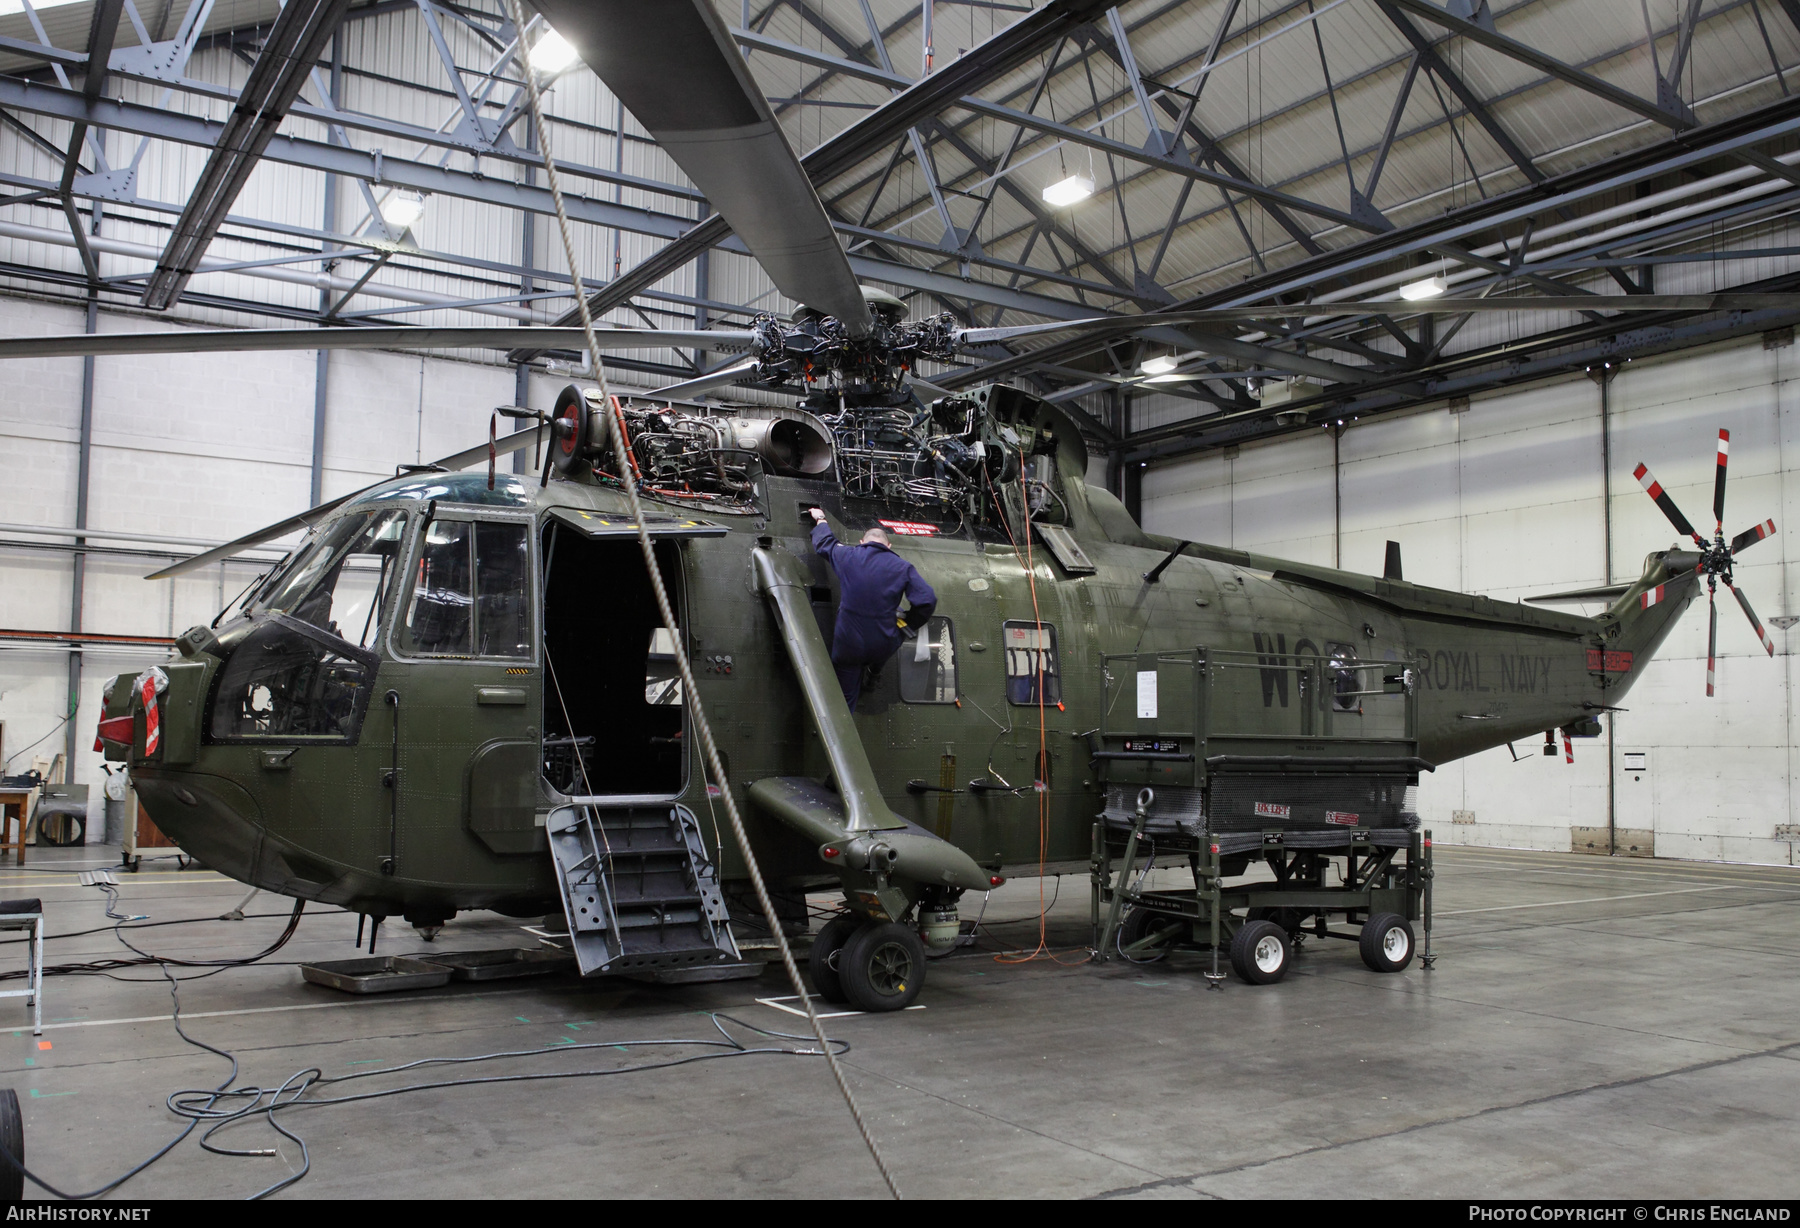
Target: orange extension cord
column 1041, row 784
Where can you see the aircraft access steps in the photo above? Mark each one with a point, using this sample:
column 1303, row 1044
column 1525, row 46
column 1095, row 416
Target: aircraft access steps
column 638, row 888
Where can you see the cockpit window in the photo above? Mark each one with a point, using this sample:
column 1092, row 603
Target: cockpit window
column 342, row 583
column 471, row 591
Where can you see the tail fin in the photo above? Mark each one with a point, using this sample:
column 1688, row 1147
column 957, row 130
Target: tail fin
column 1641, row 619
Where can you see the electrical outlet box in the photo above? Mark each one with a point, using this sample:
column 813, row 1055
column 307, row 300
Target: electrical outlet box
column 1462, row 816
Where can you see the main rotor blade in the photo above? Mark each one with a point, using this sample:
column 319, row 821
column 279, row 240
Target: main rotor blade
column 1604, row 593
column 281, row 528
column 225, row 340
column 1756, row 622
column 676, row 70
column 1719, row 481
column 712, row 379
column 1712, row 638
column 506, row 444
column 1749, row 537
column 1391, row 307
column 312, row 515
column 1654, row 489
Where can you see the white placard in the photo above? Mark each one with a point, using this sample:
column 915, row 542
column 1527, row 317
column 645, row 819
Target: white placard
column 1146, row 694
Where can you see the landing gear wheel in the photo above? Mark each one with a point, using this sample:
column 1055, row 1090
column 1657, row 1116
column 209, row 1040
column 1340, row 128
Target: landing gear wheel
column 12, row 1138
column 1387, row 942
column 827, row 951
column 1140, row 924
column 1260, row 952
column 882, row 967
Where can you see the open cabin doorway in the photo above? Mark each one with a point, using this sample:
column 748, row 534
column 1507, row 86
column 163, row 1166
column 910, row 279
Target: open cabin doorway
column 615, row 718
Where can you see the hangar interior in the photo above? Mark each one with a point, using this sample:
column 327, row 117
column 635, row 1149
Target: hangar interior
column 171, row 166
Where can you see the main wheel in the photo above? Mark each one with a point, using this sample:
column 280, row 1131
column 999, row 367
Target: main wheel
column 882, row 967
column 12, row 1138
column 1141, row 923
column 1260, row 951
column 1387, row 942
column 827, row 950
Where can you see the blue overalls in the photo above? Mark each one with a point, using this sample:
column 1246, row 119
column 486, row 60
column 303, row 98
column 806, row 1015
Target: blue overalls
column 871, row 581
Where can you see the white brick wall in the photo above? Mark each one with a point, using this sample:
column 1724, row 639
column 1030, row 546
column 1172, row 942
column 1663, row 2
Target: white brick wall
column 1506, row 499
column 202, row 446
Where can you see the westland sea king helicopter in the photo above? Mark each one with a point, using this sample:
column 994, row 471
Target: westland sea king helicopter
column 458, row 691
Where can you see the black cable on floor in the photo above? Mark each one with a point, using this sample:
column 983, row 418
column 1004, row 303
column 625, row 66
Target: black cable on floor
column 213, row 1105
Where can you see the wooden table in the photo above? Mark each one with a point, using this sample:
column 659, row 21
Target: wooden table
column 14, row 804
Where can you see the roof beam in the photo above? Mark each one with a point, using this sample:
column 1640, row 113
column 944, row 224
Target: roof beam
column 360, row 164
column 1513, row 49
column 1067, row 132
column 292, row 48
column 870, row 134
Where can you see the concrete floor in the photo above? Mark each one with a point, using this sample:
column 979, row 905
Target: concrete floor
column 1593, row 1028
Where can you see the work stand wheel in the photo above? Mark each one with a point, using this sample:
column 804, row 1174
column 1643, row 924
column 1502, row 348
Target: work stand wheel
column 1387, row 942
column 827, row 950
column 1163, row 930
column 1260, row 952
column 12, row 1139
column 882, row 967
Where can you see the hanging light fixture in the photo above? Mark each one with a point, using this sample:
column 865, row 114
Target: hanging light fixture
column 1161, row 364
column 1070, row 191
column 552, row 54
column 402, row 209
column 1428, row 287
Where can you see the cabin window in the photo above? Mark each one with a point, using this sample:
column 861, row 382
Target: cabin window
column 471, row 591
column 928, row 665
column 1033, row 669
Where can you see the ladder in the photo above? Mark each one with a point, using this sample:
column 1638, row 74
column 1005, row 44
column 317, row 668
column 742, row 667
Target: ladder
column 638, row 888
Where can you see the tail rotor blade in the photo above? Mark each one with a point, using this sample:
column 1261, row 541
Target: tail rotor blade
column 1749, row 537
column 1654, row 489
column 1756, row 622
column 1568, row 748
column 1719, row 481
column 1712, row 640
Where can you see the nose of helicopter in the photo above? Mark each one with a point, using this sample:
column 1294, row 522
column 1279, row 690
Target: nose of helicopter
column 153, row 722
column 212, row 819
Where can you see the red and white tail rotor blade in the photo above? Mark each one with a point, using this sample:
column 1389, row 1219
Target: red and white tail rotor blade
column 1654, row 489
column 1767, row 643
column 1719, row 482
column 1568, row 748
column 1749, row 537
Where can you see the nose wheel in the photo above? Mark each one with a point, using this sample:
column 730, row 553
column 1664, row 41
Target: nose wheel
column 827, row 950
column 874, row 966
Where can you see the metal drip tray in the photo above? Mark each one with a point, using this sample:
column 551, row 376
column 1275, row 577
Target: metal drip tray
column 504, row 963
column 377, row 974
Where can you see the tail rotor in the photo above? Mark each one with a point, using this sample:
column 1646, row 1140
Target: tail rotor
column 1717, row 557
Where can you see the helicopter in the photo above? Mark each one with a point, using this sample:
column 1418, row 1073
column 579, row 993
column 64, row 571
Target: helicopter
column 457, row 692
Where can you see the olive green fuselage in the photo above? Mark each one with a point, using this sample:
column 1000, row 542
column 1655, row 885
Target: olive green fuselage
column 445, row 812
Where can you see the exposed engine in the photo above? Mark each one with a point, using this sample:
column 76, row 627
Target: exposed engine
column 951, row 457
